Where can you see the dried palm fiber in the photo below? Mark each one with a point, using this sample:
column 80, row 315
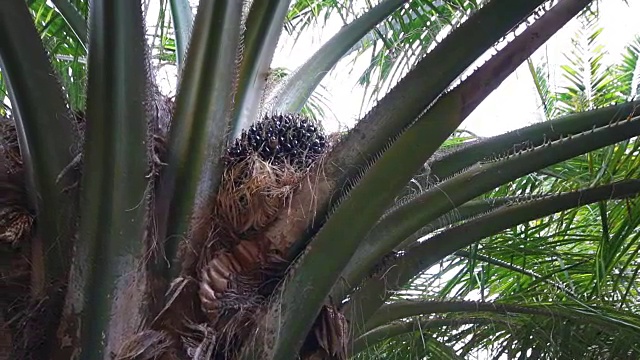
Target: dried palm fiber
column 252, row 193
column 331, row 333
column 161, row 108
column 202, row 341
column 238, row 269
column 15, row 278
column 235, row 311
column 148, row 345
column 33, row 328
column 9, row 147
column 199, row 342
column 16, row 219
column 15, row 287
column 263, row 167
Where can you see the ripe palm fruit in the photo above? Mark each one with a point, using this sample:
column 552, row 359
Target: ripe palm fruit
column 280, row 139
column 262, row 167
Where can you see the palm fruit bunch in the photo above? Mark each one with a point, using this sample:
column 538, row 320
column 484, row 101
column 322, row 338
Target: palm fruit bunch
column 280, row 139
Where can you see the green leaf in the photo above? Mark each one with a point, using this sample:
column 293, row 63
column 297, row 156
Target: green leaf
column 67, row 51
column 75, row 20
column 300, row 86
column 114, row 186
column 404, row 309
column 371, row 295
column 533, row 135
column 388, row 174
column 391, row 330
column 499, row 263
column 591, row 84
column 44, row 129
column 540, row 75
column 416, row 345
column 629, row 70
column 433, row 130
column 182, row 24
column 263, row 28
column 199, row 129
column 405, row 38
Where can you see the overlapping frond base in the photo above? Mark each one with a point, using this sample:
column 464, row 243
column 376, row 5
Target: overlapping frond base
column 16, row 216
column 16, row 222
column 219, row 302
column 215, row 308
column 29, row 307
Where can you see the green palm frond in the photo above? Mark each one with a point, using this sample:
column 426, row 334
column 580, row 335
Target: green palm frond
column 629, row 70
column 305, row 13
column 594, row 264
column 541, row 80
column 162, row 40
column 513, row 326
column 590, row 84
column 317, row 106
column 69, row 52
column 4, row 98
column 398, row 43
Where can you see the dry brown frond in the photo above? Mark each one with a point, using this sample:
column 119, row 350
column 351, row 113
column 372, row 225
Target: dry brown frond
column 330, row 331
column 247, row 270
column 15, row 225
column 34, row 327
column 9, row 147
column 16, row 219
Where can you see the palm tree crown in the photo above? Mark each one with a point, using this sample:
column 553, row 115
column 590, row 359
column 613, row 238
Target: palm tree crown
column 226, row 224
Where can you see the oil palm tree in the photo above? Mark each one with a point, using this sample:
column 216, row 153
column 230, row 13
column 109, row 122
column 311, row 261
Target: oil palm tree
column 205, row 230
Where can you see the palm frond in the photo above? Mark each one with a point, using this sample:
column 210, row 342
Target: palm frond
column 541, row 80
column 590, row 84
column 629, row 70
